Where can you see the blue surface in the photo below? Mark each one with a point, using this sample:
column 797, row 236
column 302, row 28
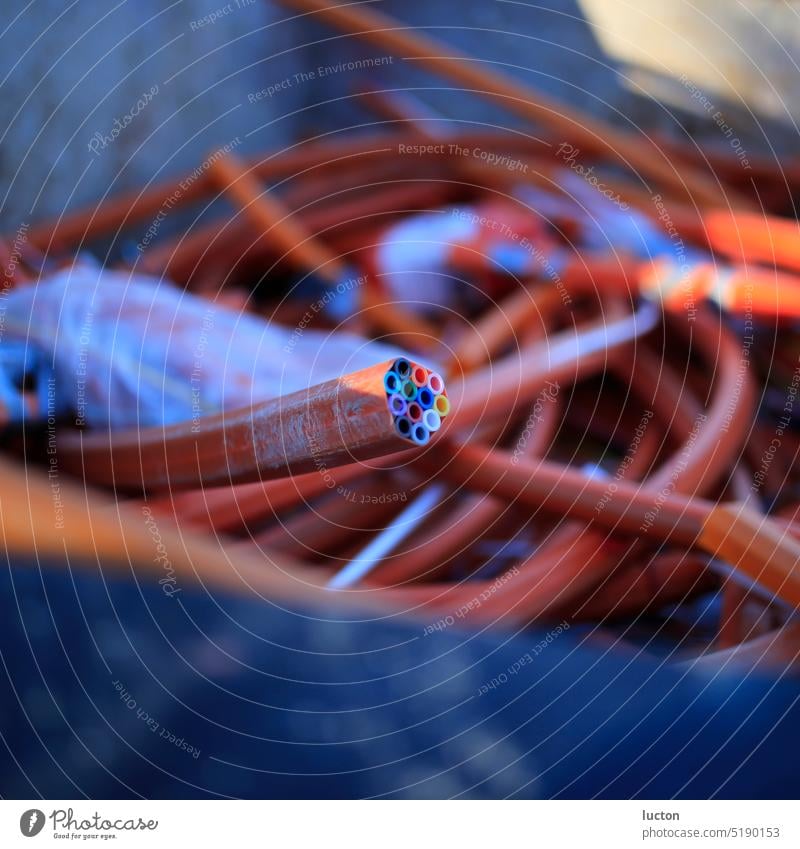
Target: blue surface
column 284, row 704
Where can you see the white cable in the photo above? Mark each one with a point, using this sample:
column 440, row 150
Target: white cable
column 394, row 533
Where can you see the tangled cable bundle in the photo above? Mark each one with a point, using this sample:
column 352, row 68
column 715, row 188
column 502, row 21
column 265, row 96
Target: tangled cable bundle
column 617, row 441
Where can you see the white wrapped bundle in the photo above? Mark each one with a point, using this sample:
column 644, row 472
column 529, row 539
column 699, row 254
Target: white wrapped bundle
column 128, row 350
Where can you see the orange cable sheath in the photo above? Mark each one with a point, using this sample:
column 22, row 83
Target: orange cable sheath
column 322, row 427
column 270, row 216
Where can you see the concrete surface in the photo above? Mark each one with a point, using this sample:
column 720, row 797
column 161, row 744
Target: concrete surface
column 102, row 97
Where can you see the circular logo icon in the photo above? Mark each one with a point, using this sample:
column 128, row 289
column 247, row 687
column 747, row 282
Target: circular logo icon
column 31, row 822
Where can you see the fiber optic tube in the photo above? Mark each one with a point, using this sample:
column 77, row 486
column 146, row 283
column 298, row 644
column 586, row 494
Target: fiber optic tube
column 332, row 424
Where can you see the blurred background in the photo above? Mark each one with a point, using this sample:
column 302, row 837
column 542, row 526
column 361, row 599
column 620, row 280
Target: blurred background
column 69, row 72
column 109, row 686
